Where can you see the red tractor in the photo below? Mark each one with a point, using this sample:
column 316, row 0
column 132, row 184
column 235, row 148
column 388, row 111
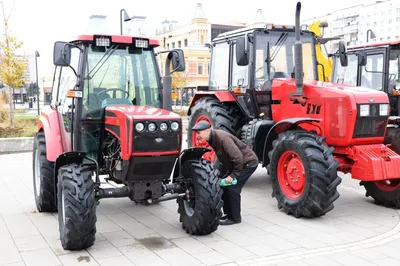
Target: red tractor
column 302, row 132
column 376, row 66
column 111, row 116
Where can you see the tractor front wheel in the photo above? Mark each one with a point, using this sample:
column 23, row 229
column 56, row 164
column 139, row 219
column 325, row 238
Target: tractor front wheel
column 384, row 192
column 200, row 209
column 43, row 176
column 304, row 174
column 76, row 207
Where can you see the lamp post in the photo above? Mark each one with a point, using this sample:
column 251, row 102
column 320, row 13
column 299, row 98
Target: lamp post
column 37, row 81
column 126, row 18
column 373, row 36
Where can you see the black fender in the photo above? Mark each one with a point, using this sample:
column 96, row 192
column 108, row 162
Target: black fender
column 69, row 158
column 187, row 155
column 279, row 127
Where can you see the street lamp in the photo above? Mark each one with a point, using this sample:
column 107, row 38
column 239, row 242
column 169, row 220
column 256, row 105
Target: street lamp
column 126, row 18
column 37, row 81
column 373, row 36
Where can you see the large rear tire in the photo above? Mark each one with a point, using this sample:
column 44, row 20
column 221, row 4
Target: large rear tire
column 218, row 115
column 76, row 207
column 43, row 176
column 304, row 174
column 200, row 215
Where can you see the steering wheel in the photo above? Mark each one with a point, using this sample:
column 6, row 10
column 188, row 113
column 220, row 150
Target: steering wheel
column 272, row 71
column 114, row 94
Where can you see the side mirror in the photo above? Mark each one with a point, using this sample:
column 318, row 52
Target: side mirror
column 178, row 60
column 242, row 56
column 342, row 54
column 362, row 58
column 62, row 54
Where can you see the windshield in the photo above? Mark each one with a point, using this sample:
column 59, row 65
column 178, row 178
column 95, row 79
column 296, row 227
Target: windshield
column 282, row 56
column 394, row 70
column 120, row 76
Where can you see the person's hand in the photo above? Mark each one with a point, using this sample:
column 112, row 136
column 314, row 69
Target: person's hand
column 228, row 180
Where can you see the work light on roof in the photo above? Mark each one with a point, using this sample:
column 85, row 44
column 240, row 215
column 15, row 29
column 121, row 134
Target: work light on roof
column 141, row 43
column 103, row 41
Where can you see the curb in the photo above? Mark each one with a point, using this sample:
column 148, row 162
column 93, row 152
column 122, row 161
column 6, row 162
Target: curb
column 15, row 145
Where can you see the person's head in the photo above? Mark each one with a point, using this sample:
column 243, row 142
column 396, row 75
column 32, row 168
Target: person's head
column 202, row 130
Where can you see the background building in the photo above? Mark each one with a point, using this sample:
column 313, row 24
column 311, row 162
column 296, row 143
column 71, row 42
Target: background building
column 353, row 23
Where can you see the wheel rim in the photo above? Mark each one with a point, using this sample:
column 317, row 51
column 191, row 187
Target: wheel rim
column 37, row 172
column 291, row 175
column 204, row 144
column 388, row 185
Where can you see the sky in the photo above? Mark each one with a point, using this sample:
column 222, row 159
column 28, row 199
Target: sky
column 39, row 23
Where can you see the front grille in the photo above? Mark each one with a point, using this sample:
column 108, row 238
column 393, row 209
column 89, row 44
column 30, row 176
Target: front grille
column 367, row 127
column 156, row 143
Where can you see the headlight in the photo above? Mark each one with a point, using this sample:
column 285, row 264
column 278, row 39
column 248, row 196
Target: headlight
column 384, row 109
column 152, row 127
column 364, row 110
column 139, row 127
column 163, row 126
column 175, row 126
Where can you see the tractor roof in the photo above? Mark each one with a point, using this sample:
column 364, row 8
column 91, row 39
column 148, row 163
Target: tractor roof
column 374, row 44
column 255, row 27
column 114, row 39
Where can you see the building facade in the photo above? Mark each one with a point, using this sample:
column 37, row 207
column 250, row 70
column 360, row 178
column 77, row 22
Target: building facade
column 192, row 39
column 377, row 21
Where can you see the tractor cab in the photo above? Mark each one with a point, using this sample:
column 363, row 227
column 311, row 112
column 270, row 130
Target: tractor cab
column 258, row 56
column 105, row 81
column 374, row 66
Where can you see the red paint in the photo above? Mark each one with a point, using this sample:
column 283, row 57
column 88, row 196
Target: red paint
column 373, row 162
column 116, row 39
column 388, row 185
column 338, row 110
column 222, row 96
column 124, row 118
column 204, row 144
column 374, row 44
column 291, row 175
column 55, row 145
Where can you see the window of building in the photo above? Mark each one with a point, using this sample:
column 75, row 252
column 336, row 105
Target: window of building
column 200, row 68
column 179, row 44
column 186, row 42
column 192, row 68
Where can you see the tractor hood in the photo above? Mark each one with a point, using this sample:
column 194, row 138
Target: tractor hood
column 133, row 112
column 360, row 94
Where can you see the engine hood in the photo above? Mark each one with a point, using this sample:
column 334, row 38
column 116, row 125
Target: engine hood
column 360, row 94
column 140, row 112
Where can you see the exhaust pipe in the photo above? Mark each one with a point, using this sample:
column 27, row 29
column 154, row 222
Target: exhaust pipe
column 298, row 55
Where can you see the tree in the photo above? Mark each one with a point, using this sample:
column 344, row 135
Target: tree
column 179, row 80
column 12, row 68
column 32, row 89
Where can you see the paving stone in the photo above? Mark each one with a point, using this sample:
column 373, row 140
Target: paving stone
column 42, row 257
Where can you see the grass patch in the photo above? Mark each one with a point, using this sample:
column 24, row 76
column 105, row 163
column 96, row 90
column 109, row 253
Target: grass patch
column 25, row 126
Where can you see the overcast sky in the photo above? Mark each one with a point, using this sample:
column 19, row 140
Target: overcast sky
column 39, row 23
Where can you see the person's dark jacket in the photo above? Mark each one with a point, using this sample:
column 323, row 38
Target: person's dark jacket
column 232, row 153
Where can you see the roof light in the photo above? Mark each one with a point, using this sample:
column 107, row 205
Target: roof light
column 141, row 43
column 304, row 27
column 269, row 26
column 103, row 41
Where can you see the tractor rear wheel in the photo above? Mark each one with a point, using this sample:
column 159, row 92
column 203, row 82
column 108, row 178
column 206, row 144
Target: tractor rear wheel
column 200, row 213
column 76, row 207
column 385, row 192
column 304, row 174
column 218, row 115
column 43, row 176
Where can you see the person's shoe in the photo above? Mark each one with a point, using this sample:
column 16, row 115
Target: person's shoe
column 229, row 222
column 224, row 217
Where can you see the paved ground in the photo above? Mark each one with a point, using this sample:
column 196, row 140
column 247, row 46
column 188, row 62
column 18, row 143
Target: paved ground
column 356, row 232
